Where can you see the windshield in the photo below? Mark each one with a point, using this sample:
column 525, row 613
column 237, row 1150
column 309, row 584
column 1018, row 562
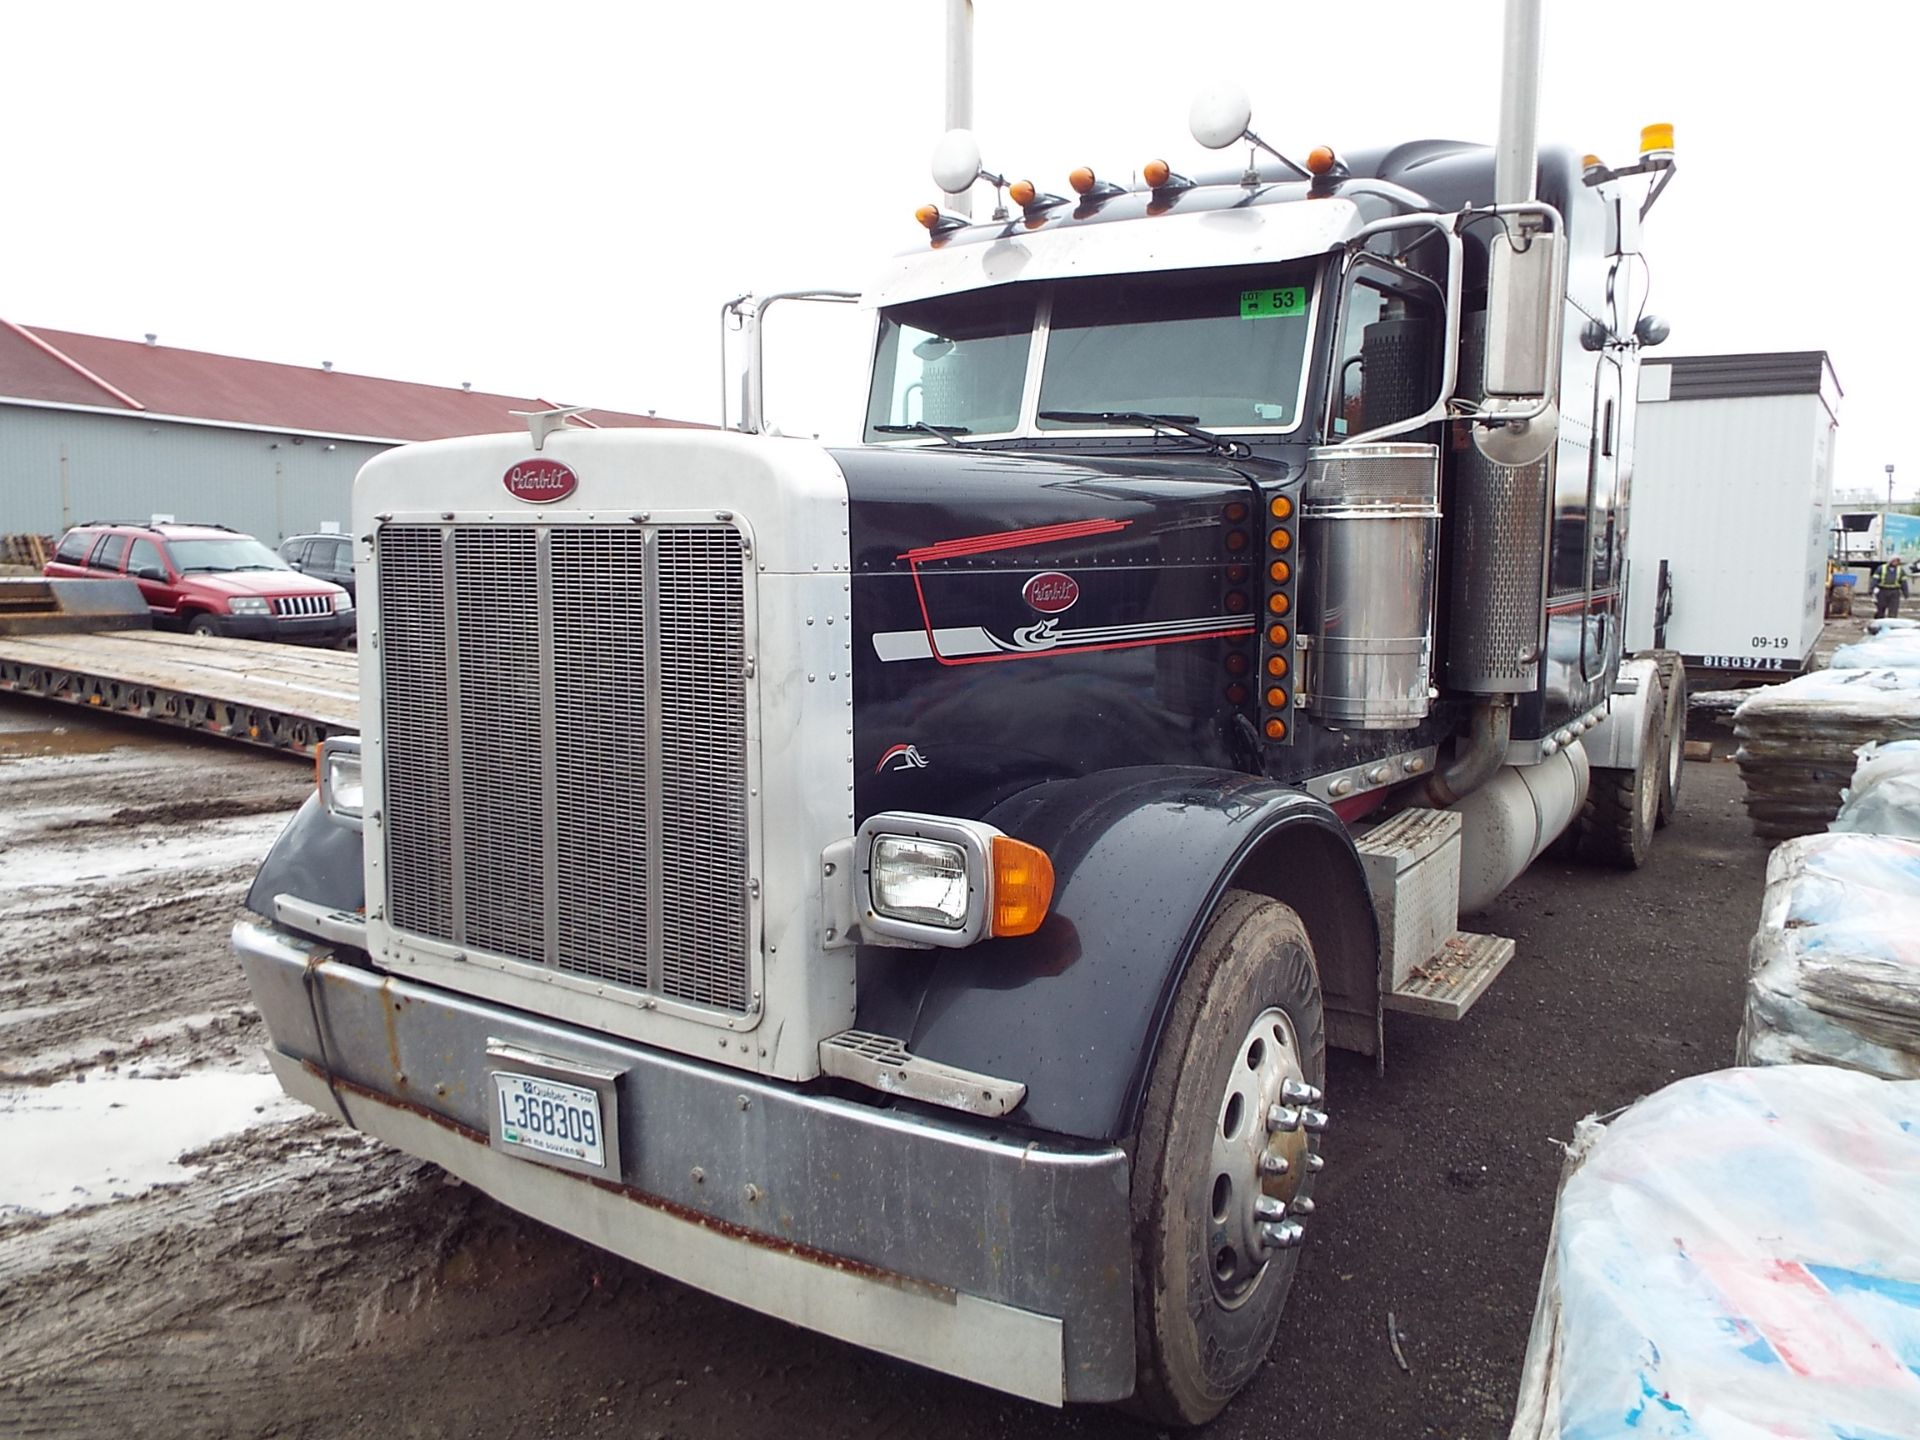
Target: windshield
column 242, row 552
column 1224, row 349
column 957, row 365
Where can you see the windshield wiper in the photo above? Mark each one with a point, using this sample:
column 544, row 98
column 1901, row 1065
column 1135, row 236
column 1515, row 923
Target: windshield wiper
column 1165, row 424
column 945, row 432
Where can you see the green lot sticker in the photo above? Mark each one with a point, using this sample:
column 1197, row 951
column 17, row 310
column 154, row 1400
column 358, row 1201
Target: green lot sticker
column 1271, row 304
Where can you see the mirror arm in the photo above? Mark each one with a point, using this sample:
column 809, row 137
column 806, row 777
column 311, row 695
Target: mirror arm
column 1441, row 409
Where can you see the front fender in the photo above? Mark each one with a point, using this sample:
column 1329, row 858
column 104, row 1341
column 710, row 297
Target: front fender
column 316, row 858
column 1141, row 857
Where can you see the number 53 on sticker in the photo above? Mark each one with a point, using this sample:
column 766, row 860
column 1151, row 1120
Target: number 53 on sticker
column 1270, row 304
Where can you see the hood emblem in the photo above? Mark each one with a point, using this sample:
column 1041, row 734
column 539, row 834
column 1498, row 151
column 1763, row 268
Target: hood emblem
column 540, row 482
column 1050, row 593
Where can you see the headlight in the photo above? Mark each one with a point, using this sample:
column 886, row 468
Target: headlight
column 337, row 768
column 248, row 605
column 343, row 604
column 924, row 881
column 932, row 880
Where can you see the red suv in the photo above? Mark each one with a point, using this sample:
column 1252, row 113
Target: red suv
column 209, row 580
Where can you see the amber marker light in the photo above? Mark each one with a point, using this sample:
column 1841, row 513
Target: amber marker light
column 1320, row 160
column 1276, row 697
column 1236, row 512
column 1022, row 192
column 1276, row 665
column 1236, row 540
column 1022, row 886
column 1082, row 180
column 1280, row 572
column 1276, row 729
column 1156, row 173
column 1236, row 663
column 1278, row 635
column 1281, row 507
column 1236, row 602
column 928, row 215
column 1280, row 539
column 1279, row 604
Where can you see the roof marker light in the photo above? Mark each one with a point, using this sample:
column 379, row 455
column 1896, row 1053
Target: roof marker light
column 1156, row 173
column 1321, row 160
column 1083, row 180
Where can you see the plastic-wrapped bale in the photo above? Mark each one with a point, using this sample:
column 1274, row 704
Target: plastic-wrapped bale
column 1898, row 649
column 1890, row 624
column 1883, row 797
column 1733, row 1258
column 1834, row 969
column 1798, row 741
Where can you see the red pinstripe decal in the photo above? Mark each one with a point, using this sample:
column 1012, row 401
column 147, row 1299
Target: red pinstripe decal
column 1013, row 539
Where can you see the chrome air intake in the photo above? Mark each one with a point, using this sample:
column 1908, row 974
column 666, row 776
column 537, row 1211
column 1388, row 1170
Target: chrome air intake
column 1370, row 518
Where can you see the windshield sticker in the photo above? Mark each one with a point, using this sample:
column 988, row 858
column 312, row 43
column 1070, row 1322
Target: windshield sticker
column 1271, row 304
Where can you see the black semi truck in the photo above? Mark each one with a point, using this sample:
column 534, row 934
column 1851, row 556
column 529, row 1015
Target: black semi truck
column 910, row 888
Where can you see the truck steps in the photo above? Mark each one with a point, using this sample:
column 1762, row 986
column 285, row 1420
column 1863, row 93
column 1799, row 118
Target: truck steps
column 1446, row 985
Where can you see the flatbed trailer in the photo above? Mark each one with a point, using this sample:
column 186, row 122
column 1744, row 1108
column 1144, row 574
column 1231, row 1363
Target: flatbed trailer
column 277, row 697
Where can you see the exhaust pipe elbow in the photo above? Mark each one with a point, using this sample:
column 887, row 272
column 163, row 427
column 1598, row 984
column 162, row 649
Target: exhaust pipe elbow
column 1483, row 754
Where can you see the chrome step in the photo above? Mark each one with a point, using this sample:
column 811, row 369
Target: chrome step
column 1446, row 984
column 883, row 1063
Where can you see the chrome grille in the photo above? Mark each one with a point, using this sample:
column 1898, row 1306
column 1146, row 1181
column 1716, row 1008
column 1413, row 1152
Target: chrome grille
column 303, row 605
column 572, row 790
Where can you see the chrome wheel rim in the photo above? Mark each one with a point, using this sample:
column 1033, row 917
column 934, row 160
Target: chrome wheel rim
column 1261, row 1159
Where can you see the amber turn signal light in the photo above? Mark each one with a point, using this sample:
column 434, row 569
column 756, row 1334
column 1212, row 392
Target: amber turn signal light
column 1022, row 886
column 1276, row 697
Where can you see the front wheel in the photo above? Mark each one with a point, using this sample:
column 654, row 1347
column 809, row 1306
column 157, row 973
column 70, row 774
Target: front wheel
column 203, row 625
column 1224, row 1159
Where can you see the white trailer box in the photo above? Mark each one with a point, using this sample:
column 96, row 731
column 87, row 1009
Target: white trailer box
column 1733, row 474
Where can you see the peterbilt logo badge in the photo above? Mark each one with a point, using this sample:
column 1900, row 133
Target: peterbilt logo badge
column 1051, row 593
column 540, row 482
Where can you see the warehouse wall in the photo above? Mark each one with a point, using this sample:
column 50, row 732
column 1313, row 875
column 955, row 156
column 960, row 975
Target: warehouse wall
column 60, row 467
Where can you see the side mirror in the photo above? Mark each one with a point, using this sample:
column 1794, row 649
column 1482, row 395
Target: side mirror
column 150, row 572
column 1221, row 114
column 1651, row 330
column 956, row 162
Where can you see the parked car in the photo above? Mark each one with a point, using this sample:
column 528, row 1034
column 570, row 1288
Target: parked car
column 325, row 557
column 209, row 580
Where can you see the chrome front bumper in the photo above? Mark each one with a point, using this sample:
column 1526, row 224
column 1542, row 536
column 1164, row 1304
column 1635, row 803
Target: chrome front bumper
column 930, row 1240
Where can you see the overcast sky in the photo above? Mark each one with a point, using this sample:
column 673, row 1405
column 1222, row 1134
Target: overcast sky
column 556, row 199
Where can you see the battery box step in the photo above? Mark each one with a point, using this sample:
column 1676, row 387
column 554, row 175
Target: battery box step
column 1446, row 984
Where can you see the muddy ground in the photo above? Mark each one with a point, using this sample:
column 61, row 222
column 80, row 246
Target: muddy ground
column 291, row 1279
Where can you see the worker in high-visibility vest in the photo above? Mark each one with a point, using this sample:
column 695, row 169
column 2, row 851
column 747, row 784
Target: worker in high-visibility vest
column 1889, row 584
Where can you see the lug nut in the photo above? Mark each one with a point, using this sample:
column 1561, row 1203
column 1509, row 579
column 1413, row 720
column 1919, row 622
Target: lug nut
column 1268, row 1208
column 1298, row 1092
column 1314, row 1120
column 1302, row 1205
column 1287, row 1235
column 1282, row 1117
column 1315, row 1163
column 1274, row 1165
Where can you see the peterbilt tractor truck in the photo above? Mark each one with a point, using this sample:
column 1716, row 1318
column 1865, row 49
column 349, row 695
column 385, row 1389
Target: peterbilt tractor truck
column 909, row 888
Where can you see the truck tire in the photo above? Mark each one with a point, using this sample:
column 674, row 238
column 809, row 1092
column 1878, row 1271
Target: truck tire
column 1246, row 1034
column 1623, row 806
column 1673, row 686
column 203, row 625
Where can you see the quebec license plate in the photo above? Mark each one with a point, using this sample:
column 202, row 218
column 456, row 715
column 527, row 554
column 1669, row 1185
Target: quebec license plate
column 551, row 1118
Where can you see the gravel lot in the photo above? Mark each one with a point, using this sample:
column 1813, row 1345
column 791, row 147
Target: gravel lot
column 291, row 1279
